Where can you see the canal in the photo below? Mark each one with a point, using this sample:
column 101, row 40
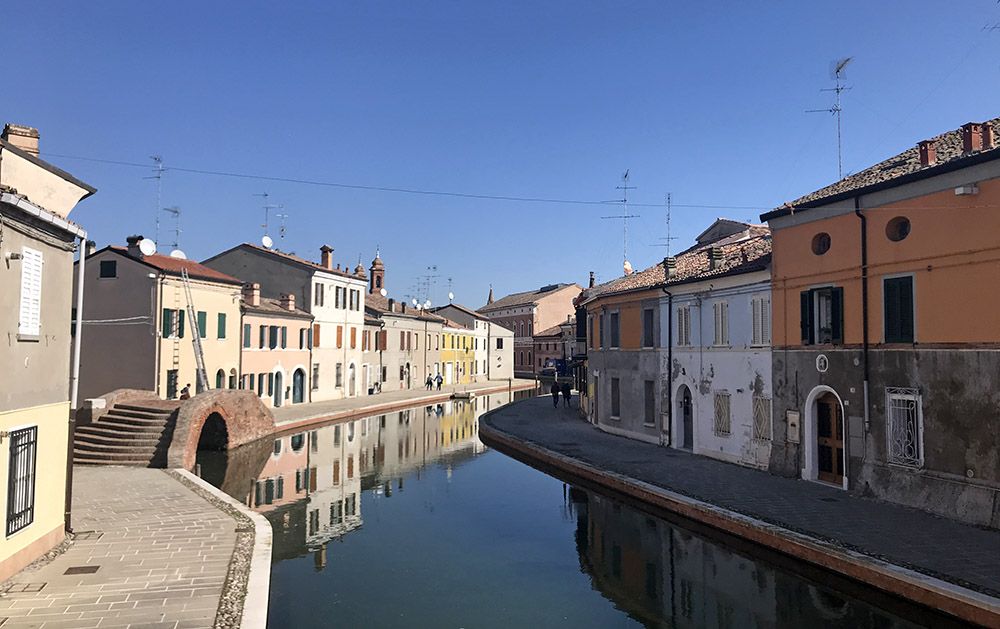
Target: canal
column 407, row 520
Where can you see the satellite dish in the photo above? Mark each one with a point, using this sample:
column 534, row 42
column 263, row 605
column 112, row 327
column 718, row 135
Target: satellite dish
column 177, row 253
column 147, row 247
column 451, row 296
column 628, row 268
column 383, row 292
column 415, row 302
column 267, row 241
column 427, row 304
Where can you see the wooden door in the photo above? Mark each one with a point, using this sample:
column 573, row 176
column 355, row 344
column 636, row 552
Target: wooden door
column 830, row 441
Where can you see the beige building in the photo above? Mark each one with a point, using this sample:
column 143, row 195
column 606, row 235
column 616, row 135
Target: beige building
column 137, row 330
column 492, row 345
column 36, row 288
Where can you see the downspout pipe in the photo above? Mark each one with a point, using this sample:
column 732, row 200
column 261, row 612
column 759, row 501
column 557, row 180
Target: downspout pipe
column 74, row 380
column 864, row 304
column 670, row 359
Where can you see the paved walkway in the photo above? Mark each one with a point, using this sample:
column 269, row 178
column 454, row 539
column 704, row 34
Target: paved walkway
column 315, row 411
column 929, row 544
column 161, row 552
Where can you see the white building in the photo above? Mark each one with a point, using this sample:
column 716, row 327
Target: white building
column 493, row 345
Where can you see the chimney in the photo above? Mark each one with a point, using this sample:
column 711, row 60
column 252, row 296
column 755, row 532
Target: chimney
column 91, row 248
column 288, row 301
column 251, row 294
column 593, row 281
column 402, row 307
column 392, row 305
column 326, row 257
column 715, row 258
column 988, row 139
column 24, row 138
column 670, row 267
column 972, row 137
column 133, row 246
column 928, row 152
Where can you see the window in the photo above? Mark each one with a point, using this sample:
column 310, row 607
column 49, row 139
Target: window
column 600, row 327
column 270, row 383
column 284, row 337
column 821, row 243
column 303, row 337
column 615, row 330
column 173, row 323
column 30, row 322
column 499, row 343
column 649, row 396
column 822, row 316
column 221, row 326
column 272, row 332
column 905, row 429
column 402, row 340
column 684, row 325
column 315, row 335
column 616, row 402
column 202, row 324
column 722, row 414
column 315, row 376
column 247, row 331
column 263, row 337
column 898, row 296
column 721, row 309
column 21, row 479
column 340, row 375
column 761, row 418
column 220, row 379
column 340, row 336
column 337, row 291
column 318, row 299
column 647, row 327
column 761, row 310
column 109, row 268
column 261, row 382
column 895, row 230
column 253, row 382
column 171, row 384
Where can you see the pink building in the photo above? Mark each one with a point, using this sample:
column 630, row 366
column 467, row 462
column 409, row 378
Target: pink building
column 276, row 348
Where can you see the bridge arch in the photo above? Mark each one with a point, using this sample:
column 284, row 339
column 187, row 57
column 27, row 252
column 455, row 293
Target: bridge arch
column 238, row 415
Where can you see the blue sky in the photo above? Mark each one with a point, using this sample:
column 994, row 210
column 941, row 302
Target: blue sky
column 705, row 100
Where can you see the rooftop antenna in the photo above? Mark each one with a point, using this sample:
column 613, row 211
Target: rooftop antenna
column 426, row 283
column 176, row 211
column 837, row 69
column 669, row 239
column 267, row 210
column 158, row 176
column 282, row 218
column 625, row 216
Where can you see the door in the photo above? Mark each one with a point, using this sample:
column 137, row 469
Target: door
column 687, row 418
column 298, row 386
column 830, row 440
column 448, row 367
column 353, row 380
column 279, row 389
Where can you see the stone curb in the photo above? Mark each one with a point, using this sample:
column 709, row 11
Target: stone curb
column 963, row 603
column 378, row 409
column 258, row 584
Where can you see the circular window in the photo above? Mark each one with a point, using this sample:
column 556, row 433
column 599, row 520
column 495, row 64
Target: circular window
column 821, row 243
column 898, row 228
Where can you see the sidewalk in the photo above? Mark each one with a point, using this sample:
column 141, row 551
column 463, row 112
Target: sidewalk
column 294, row 416
column 148, row 552
column 836, row 527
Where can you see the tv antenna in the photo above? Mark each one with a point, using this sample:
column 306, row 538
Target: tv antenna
column 669, row 239
column 176, row 212
column 267, row 210
column 426, row 283
column 281, row 231
column 625, row 216
column 158, row 176
column 837, row 69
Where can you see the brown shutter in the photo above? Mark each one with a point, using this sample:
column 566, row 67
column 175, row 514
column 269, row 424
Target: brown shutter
column 340, row 336
column 315, row 335
column 354, row 338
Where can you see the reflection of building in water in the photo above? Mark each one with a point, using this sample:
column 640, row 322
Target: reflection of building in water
column 665, row 576
column 334, row 503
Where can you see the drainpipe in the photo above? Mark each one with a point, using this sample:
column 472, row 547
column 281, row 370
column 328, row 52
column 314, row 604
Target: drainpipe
column 670, row 358
column 864, row 302
column 74, row 386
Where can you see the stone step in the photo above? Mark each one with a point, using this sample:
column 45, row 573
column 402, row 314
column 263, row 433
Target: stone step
column 114, row 418
column 124, row 428
column 139, row 412
column 113, row 439
column 119, row 448
column 83, row 457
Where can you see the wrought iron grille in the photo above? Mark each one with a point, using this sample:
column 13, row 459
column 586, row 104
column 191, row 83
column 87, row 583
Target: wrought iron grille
column 722, row 414
column 904, row 429
column 21, row 479
column 761, row 418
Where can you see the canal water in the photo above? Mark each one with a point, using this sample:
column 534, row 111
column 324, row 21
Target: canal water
column 407, row 520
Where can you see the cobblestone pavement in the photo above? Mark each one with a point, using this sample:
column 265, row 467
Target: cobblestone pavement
column 161, row 553
column 924, row 542
column 299, row 412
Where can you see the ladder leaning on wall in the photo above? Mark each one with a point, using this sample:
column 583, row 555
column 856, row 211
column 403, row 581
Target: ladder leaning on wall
column 199, row 356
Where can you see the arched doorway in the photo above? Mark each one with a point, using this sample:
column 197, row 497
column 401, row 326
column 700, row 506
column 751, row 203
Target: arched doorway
column 685, row 411
column 352, row 379
column 213, row 441
column 279, row 389
column 824, row 437
column 298, row 386
column 220, row 379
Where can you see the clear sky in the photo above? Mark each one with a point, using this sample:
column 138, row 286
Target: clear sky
column 705, row 100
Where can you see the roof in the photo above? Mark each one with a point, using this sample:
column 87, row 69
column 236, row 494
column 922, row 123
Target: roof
column 555, row 330
column 743, row 252
column 526, row 298
column 895, row 171
column 379, row 305
column 272, row 306
column 174, row 266
column 453, row 324
column 55, row 170
column 289, row 257
column 461, row 308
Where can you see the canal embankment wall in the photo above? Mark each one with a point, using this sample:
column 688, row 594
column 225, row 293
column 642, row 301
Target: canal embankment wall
column 933, row 561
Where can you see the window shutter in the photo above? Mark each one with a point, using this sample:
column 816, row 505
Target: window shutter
column 906, row 306
column 168, row 323
column 315, row 337
column 890, row 297
column 806, row 316
column 30, row 323
column 202, row 324
column 180, row 324
column 837, row 308
column 263, row 336
column 222, row 325
column 755, row 305
column 247, row 331
column 765, row 320
column 284, row 337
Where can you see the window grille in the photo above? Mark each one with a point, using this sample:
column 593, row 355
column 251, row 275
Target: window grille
column 722, row 414
column 761, row 418
column 904, row 419
column 21, row 479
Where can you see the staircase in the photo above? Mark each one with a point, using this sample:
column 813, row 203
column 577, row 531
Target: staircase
column 136, row 434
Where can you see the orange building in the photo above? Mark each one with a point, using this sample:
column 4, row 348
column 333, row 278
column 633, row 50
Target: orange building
column 886, row 329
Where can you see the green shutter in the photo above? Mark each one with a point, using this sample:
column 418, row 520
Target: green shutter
column 837, row 309
column 222, row 325
column 284, row 337
column 806, row 316
column 247, row 331
column 180, row 323
column 898, row 300
column 202, row 324
column 168, row 323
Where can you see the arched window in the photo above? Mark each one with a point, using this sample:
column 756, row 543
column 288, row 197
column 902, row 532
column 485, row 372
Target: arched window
column 220, row 379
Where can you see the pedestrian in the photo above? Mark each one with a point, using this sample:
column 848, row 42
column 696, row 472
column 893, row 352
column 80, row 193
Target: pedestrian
column 555, row 393
column 567, row 392
column 186, row 392
column 439, row 380
column 430, row 382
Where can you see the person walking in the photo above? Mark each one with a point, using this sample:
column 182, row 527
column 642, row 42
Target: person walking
column 555, row 394
column 186, row 392
column 430, row 382
column 439, row 380
column 567, row 392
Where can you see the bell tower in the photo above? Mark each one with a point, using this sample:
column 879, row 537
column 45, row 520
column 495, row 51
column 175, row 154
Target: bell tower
column 376, row 281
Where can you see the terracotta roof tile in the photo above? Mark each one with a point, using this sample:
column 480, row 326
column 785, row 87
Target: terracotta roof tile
column 174, row 266
column 272, row 306
column 379, row 304
column 522, row 299
column 302, row 261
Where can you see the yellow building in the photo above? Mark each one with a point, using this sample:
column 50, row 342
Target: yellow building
column 457, row 353
column 155, row 351
column 36, row 287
